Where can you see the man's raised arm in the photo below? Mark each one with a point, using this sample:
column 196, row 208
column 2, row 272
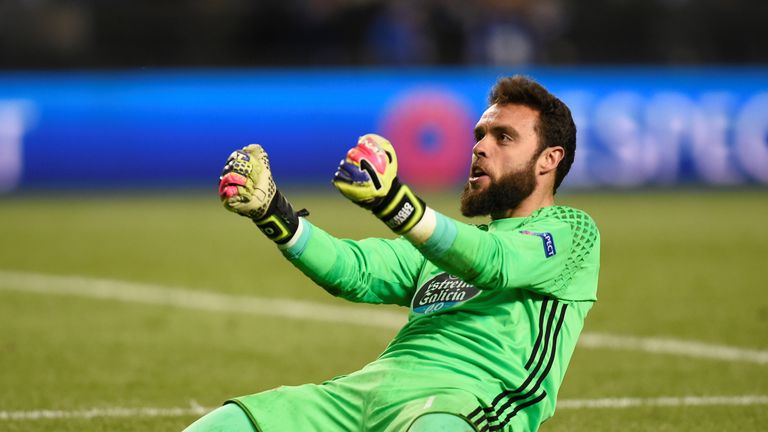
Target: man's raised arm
column 489, row 260
column 370, row 271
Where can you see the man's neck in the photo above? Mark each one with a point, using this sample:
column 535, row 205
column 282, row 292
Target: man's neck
column 529, row 205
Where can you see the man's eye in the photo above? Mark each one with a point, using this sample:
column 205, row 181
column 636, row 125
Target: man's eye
column 505, row 137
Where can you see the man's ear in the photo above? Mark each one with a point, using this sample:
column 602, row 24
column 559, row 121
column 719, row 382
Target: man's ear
column 550, row 158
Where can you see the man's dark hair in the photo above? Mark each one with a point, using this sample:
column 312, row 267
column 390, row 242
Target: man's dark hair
column 555, row 126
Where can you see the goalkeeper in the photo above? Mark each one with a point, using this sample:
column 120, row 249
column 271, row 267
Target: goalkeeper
column 495, row 310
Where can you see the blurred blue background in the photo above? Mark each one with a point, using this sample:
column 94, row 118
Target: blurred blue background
column 100, row 95
column 637, row 127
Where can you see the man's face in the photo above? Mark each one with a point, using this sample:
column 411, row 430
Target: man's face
column 503, row 170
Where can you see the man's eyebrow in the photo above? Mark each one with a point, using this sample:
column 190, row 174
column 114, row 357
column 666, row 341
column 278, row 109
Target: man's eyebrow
column 501, row 130
column 479, row 132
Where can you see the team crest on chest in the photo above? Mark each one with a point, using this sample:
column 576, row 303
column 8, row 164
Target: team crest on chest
column 442, row 292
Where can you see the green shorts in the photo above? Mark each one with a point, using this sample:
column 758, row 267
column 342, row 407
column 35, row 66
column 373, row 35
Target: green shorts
column 373, row 399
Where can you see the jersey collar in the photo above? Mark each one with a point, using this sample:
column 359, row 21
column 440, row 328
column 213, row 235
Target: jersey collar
column 512, row 222
column 506, row 223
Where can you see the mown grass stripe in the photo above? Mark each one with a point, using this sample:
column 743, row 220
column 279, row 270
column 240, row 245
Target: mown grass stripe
column 565, row 404
column 80, row 286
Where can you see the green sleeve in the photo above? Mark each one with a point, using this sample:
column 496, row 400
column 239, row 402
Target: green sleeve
column 367, row 271
column 517, row 255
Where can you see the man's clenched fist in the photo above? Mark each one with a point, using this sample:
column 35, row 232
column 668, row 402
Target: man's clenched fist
column 246, row 186
column 365, row 176
column 368, row 177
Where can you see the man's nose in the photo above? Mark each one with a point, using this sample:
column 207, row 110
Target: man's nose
column 479, row 150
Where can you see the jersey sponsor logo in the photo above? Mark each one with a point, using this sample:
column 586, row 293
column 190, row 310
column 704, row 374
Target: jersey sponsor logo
column 549, row 242
column 442, row 292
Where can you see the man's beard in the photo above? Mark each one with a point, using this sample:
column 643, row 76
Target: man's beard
column 505, row 194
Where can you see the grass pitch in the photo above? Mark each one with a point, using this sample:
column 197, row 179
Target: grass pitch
column 682, row 265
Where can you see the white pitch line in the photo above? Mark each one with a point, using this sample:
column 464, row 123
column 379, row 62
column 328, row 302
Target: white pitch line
column 675, row 347
column 684, row 401
column 565, row 404
column 311, row 311
column 90, row 413
column 200, row 300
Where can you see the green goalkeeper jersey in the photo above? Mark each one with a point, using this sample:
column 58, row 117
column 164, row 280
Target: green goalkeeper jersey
column 496, row 308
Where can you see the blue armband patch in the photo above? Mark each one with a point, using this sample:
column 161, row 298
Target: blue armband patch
column 549, row 242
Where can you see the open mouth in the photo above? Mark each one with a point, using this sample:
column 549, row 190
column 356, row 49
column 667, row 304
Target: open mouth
column 476, row 173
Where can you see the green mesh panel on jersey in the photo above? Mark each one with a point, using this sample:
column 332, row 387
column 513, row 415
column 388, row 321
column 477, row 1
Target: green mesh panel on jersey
column 584, row 233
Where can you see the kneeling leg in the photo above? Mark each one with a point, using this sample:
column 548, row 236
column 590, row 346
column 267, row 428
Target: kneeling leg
column 441, row 422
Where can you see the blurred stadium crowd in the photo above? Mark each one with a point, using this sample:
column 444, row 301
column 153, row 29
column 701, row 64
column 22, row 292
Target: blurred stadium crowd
column 116, row 33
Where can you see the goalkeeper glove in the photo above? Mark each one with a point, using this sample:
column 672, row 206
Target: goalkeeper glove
column 246, row 187
column 368, row 177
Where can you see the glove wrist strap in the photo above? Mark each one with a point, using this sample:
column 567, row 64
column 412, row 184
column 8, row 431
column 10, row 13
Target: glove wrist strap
column 280, row 222
column 401, row 209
